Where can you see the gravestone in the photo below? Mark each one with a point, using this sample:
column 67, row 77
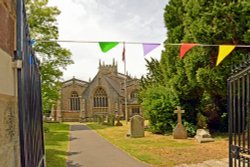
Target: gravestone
column 111, row 120
column 137, row 126
column 179, row 132
column 203, row 136
column 101, row 119
column 118, row 123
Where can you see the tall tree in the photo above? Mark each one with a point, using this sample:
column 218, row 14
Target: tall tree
column 43, row 27
column 214, row 22
column 196, row 83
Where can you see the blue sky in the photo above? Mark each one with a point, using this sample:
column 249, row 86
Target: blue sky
column 109, row 20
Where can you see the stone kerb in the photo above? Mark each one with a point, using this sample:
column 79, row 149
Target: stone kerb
column 137, row 126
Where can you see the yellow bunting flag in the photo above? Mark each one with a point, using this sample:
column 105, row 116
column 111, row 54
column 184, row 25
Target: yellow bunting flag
column 224, row 51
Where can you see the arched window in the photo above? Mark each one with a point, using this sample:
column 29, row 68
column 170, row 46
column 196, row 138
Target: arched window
column 74, row 101
column 100, row 100
column 133, row 94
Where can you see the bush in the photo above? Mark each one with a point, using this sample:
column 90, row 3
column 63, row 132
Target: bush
column 191, row 128
column 157, row 105
column 201, row 121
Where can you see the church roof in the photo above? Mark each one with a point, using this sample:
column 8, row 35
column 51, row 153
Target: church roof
column 116, row 85
column 74, row 80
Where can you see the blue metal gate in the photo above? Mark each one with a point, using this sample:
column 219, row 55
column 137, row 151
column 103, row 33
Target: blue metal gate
column 29, row 95
column 239, row 116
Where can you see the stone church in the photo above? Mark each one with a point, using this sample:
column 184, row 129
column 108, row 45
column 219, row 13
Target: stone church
column 104, row 95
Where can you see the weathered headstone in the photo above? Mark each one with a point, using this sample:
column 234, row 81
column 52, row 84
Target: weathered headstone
column 179, row 132
column 118, row 123
column 111, row 120
column 137, row 126
column 203, row 136
column 101, row 119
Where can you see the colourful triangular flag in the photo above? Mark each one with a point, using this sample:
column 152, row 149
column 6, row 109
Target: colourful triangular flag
column 185, row 47
column 148, row 47
column 224, row 51
column 106, row 46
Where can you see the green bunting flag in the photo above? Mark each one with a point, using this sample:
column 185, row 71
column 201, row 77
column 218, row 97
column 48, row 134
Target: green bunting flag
column 106, row 46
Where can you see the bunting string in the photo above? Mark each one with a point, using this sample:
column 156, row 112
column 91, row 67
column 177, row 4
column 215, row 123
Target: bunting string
column 129, row 42
column 224, row 49
column 76, row 41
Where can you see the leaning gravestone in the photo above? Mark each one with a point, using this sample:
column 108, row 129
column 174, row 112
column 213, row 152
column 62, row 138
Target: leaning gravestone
column 203, row 136
column 179, row 131
column 137, row 126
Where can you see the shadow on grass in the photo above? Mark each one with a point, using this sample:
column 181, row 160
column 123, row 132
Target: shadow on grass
column 218, row 135
column 56, row 144
column 55, row 138
column 56, row 158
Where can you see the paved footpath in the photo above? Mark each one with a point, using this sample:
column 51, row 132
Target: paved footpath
column 88, row 149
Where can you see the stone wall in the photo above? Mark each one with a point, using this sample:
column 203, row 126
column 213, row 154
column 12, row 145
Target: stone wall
column 9, row 133
column 70, row 116
column 66, row 94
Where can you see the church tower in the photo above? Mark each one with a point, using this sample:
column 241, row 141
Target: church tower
column 108, row 69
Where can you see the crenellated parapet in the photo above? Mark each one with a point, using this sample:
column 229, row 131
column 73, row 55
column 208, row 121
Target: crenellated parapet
column 108, row 68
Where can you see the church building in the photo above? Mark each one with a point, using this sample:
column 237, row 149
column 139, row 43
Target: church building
column 110, row 92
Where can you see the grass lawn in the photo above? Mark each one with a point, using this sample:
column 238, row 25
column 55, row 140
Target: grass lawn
column 56, row 144
column 160, row 150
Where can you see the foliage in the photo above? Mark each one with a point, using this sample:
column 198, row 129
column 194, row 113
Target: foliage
column 154, row 75
column 191, row 128
column 201, row 121
column 196, row 84
column 54, row 58
column 158, row 109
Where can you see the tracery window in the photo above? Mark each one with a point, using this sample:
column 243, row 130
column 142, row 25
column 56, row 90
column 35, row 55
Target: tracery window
column 100, row 98
column 74, row 101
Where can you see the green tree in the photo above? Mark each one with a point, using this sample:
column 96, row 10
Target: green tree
column 156, row 99
column 43, row 27
column 219, row 22
column 195, row 82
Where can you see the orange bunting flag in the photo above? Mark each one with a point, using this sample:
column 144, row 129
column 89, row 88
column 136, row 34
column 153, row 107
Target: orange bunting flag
column 185, row 47
column 224, row 51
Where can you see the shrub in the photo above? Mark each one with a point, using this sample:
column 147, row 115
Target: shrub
column 157, row 105
column 191, row 128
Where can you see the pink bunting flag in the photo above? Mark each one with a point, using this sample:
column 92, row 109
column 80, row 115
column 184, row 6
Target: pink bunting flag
column 185, row 47
column 148, row 47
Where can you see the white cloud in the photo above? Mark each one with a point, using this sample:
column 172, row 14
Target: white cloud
column 110, row 20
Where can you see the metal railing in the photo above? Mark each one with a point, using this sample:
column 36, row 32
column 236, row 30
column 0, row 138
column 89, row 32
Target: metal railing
column 29, row 95
column 239, row 116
